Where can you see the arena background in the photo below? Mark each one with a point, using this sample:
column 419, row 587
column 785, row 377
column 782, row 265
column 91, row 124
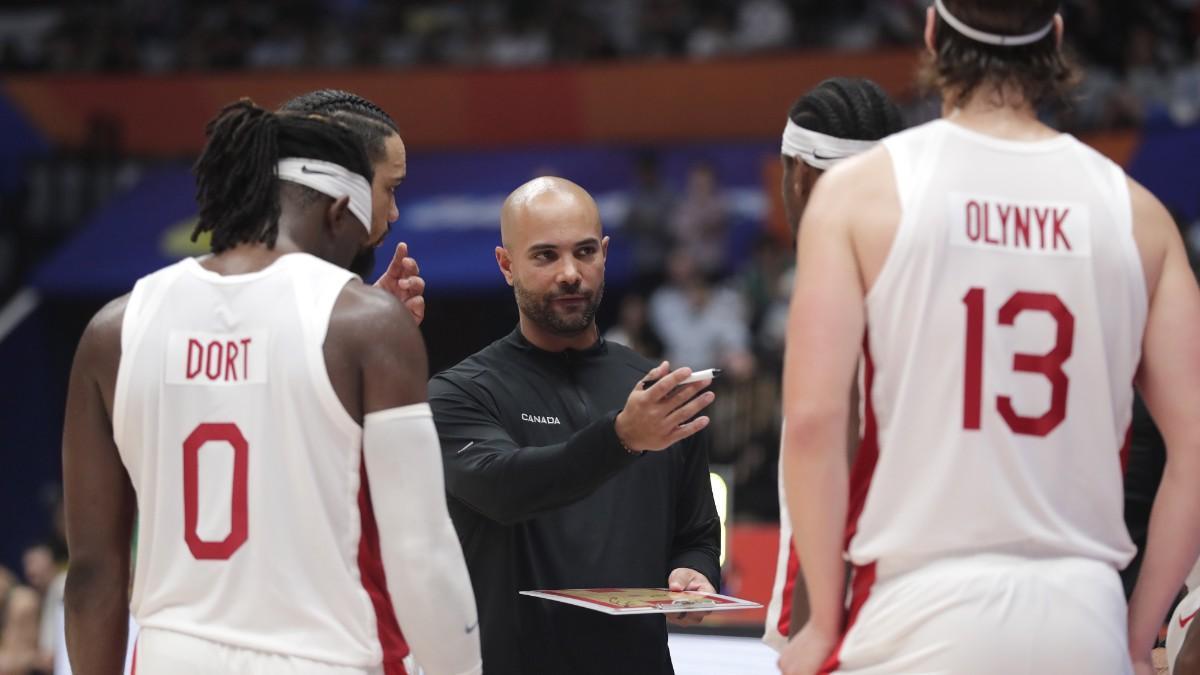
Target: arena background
column 102, row 108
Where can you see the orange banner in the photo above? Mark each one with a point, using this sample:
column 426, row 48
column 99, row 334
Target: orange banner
column 661, row 101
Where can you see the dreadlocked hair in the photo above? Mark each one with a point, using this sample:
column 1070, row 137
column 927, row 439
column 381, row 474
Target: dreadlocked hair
column 369, row 121
column 850, row 108
column 236, row 185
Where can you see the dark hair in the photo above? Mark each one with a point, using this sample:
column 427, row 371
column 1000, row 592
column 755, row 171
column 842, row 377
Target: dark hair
column 850, row 108
column 236, row 185
column 369, row 121
column 961, row 66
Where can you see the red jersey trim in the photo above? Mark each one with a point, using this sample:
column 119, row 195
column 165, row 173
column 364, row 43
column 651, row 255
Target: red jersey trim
column 860, row 483
column 1125, row 450
column 864, row 579
column 868, row 449
column 374, row 581
column 784, row 625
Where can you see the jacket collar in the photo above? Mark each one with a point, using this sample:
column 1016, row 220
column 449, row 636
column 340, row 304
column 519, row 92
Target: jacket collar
column 517, row 340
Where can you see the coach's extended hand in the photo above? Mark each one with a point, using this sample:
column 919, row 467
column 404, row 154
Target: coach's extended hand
column 402, row 281
column 657, row 417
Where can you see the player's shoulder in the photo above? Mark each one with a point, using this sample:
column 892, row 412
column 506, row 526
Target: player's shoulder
column 874, row 164
column 367, row 315
column 1154, row 232
column 914, row 138
column 104, row 329
column 875, row 168
column 99, row 348
column 1146, row 207
column 838, row 196
column 367, row 301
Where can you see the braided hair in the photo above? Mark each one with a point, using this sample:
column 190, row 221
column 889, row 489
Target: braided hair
column 369, row 121
column 849, row 108
column 236, row 185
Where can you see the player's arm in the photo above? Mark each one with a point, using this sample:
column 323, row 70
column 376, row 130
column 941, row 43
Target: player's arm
column 1169, row 380
column 426, row 573
column 100, row 504
column 505, row 482
column 825, row 329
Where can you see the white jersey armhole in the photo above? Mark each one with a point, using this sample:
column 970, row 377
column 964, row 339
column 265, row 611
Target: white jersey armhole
column 315, row 302
column 910, row 153
column 1124, row 217
column 144, row 300
column 1106, row 172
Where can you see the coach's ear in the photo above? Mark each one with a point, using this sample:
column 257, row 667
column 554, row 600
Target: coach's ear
column 504, row 262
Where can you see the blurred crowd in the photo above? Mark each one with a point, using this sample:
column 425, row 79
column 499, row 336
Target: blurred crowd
column 1135, row 51
column 692, row 304
column 31, row 605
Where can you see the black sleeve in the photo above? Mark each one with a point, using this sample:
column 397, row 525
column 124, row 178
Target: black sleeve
column 697, row 542
column 489, row 472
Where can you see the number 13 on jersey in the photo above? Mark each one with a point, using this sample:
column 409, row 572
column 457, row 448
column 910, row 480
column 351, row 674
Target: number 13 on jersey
column 1048, row 365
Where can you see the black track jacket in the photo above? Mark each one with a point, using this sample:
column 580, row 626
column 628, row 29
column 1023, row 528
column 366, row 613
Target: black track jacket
column 544, row 497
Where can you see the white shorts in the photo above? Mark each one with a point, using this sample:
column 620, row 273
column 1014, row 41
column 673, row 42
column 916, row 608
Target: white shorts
column 987, row 615
column 163, row 652
column 1186, row 614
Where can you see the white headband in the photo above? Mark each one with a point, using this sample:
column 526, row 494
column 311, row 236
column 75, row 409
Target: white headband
column 330, row 179
column 990, row 38
column 820, row 151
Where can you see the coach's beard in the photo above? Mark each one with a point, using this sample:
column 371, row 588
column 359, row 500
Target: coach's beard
column 541, row 310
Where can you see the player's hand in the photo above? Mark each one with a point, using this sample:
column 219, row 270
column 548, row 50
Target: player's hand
column 805, row 653
column 402, row 281
column 657, row 417
column 687, row 579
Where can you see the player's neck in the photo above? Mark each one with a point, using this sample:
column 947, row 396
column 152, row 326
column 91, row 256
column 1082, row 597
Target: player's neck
column 1003, row 114
column 553, row 342
column 246, row 258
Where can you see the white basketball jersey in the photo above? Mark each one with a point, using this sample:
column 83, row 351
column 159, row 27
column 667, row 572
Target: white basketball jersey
column 1003, row 334
column 254, row 527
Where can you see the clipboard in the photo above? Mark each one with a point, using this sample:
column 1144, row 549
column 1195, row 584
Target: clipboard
column 631, row 601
